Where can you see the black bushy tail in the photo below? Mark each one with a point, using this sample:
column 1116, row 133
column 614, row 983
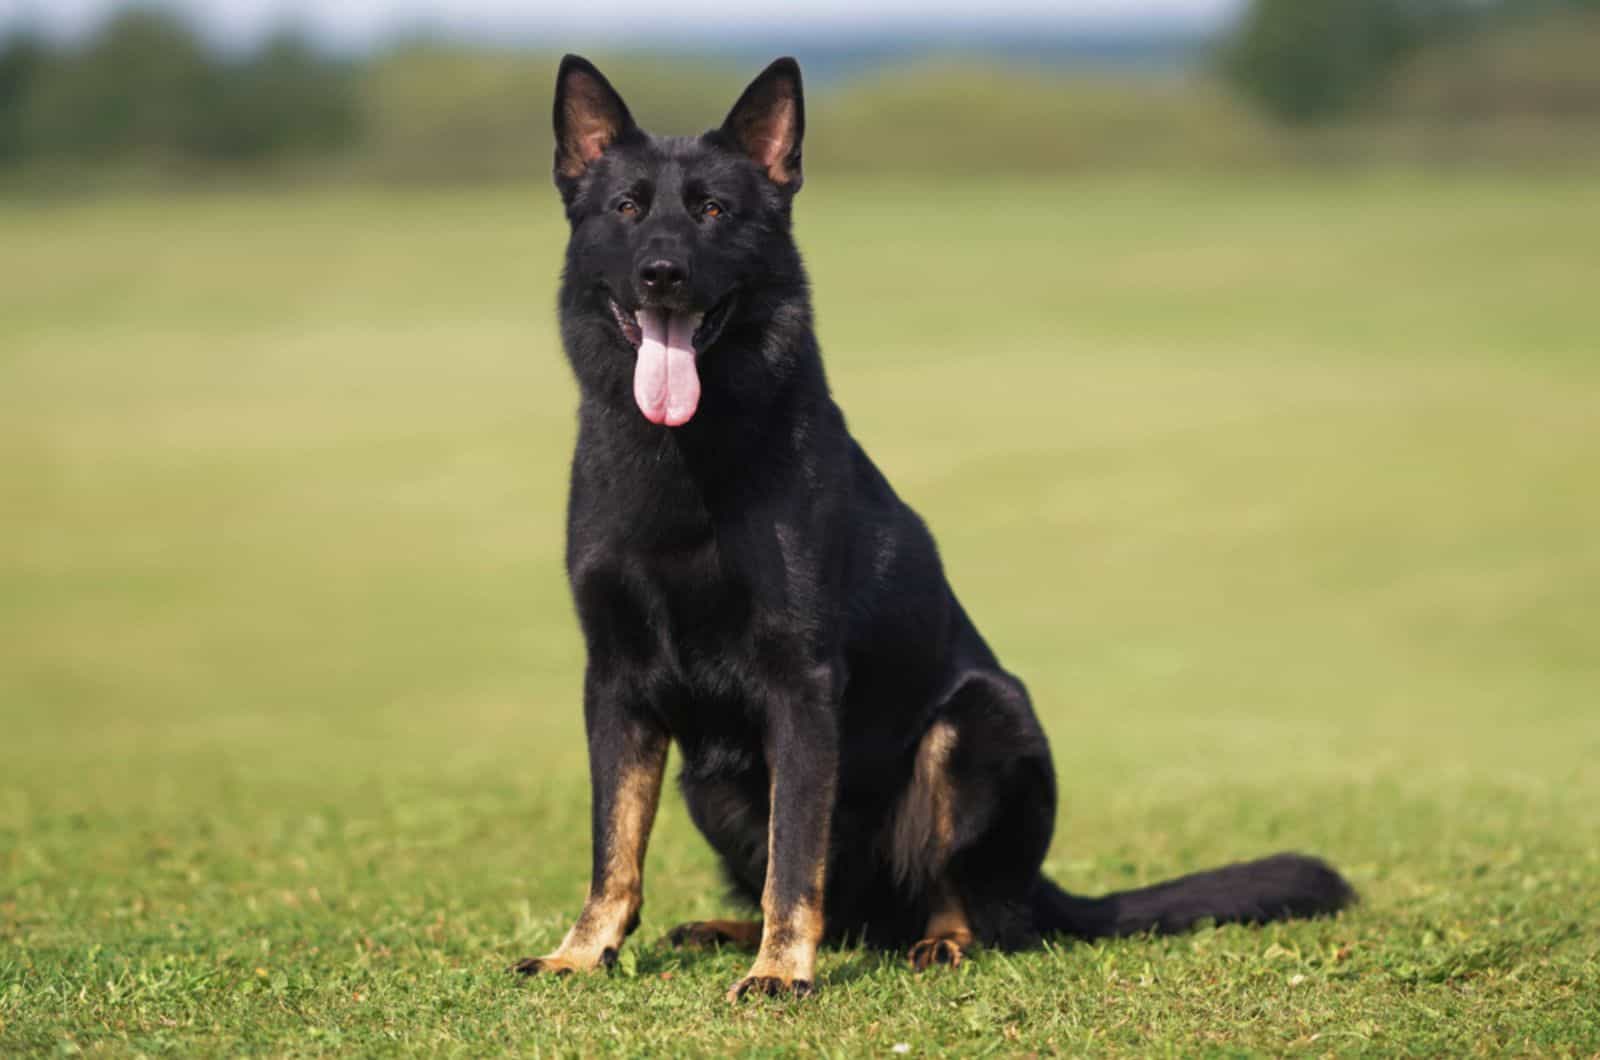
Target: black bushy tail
column 1251, row 892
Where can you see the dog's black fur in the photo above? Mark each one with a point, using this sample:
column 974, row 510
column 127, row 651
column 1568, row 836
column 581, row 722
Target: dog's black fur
column 750, row 587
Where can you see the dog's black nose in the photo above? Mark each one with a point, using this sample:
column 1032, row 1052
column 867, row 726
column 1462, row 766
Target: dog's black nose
column 661, row 277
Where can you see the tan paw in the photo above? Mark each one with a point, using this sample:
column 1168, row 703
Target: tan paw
column 555, row 964
column 929, row 952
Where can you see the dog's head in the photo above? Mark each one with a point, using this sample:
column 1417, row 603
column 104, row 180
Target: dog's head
column 669, row 232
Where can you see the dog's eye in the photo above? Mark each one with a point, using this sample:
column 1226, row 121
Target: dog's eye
column 711, row 208
column 628, row 208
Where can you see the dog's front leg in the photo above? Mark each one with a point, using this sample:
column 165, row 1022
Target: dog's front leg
column 802, row 756
column 627, row 756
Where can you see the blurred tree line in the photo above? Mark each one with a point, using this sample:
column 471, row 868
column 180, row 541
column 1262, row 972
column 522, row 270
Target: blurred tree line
column 145, row 89
column 1307, row 61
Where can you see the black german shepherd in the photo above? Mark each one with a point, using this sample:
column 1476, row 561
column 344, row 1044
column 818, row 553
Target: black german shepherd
column 750, row 586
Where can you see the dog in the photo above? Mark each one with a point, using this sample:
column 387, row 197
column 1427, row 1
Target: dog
column 751, row 587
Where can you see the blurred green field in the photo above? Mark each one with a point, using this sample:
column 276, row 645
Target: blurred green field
column 1281, row 494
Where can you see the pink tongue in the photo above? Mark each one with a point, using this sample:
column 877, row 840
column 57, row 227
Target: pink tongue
column 665, row 383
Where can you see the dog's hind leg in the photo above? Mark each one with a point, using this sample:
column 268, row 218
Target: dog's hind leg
column 972, row 829
column 924, row 836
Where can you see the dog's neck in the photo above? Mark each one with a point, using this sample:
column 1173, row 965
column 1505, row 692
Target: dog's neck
column 766, row 400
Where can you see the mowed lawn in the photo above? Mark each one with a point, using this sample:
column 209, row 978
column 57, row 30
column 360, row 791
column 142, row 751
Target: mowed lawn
column 1282, row 494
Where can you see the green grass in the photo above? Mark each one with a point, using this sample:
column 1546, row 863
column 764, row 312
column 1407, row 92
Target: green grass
column 1281, row 495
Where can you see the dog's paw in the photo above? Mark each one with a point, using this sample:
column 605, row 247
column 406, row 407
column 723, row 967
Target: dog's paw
column 929, row 952
column 540, row 965
column 704, row 934
column 770, row 986
column 555, row 964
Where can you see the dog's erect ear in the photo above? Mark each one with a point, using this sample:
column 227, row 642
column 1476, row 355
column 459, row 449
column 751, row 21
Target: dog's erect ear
column 769, row 122
column 589, row 117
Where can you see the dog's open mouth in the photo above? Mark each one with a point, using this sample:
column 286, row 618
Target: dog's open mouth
column 666, row 380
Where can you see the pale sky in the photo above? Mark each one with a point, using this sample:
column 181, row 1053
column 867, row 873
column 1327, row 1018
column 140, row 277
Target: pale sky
column 355, row 22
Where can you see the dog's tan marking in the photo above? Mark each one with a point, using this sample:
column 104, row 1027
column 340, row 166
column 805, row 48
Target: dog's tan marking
column 611, row 910
column 924, row 822
column 948, row 935
column 697, row 934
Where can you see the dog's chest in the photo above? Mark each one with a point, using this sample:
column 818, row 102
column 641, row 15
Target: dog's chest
column 673, row 635
column 676, row 616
